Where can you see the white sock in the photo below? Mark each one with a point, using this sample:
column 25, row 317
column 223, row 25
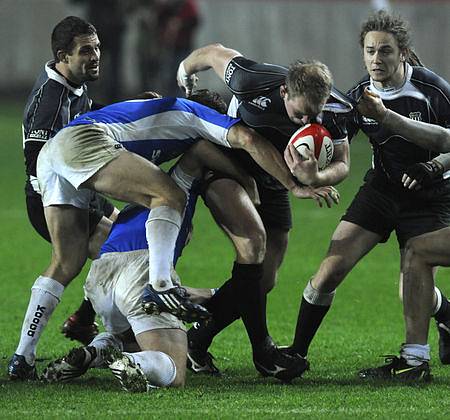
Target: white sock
column 162, row 228
column 101, row 342
column 415, row 354
column 45, row 295
column 158, row 367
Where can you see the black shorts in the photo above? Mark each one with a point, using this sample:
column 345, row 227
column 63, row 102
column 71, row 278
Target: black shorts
column 409, row 215
column 275, row 207
column 98, row 207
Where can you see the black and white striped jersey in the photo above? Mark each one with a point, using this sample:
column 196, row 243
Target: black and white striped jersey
column 257, row 101
column 51, row 105
column 424, row 97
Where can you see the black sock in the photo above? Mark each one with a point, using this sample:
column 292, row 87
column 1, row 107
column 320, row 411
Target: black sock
column 443, row 313
column 309, row 319
column 86, row 313
column 224, row 310
column 251, row 301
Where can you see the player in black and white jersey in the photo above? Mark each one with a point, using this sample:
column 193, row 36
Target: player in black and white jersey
column 275, row 101
column 385, row 203
column 58, row 96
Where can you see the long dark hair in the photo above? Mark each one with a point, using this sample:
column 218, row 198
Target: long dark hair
column 383, row 21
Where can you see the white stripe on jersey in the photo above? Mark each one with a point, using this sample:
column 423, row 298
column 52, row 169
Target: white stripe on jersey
column 169, row 125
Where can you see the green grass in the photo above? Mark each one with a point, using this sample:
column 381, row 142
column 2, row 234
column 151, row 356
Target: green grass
column 365, row 322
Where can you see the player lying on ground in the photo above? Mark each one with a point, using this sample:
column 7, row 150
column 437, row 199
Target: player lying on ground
column 275, row 101
column 114, row 285
column 385, row 203
column 94, row 153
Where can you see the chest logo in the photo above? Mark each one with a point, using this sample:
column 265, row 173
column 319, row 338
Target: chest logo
column 416, row 116
column 261, row 102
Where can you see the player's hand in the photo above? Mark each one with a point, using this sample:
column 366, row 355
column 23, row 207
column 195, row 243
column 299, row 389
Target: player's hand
column 320, row 195
column 421, row 174
column 187, row 82
column 304, row 168
column 370, row 105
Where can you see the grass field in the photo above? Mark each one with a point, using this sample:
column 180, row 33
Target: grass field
column 364, row 323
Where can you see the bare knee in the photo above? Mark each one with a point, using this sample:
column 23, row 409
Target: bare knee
column 176, row 200
column 252, row 248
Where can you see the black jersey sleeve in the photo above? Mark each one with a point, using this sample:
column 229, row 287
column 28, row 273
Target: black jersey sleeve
column 248, row 79
column 437, row 91
column 43, row 116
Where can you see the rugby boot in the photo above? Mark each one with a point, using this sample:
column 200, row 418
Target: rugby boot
column 75, row 330
column 129, row 374
column 174, row 301
column 71, row 366
column 397, row 369
column 271, row 361
column 19, row 369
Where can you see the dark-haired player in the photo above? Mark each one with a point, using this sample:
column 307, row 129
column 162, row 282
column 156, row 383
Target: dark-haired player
column 274, row 101
column 58, row 96
column 384, row 202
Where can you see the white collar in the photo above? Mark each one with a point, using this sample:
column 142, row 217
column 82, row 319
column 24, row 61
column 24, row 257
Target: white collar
column 393, row 91
column 54, row 75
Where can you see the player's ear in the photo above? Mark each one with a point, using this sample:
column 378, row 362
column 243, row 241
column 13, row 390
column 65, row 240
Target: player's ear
column 62, row 56
column 283, row 91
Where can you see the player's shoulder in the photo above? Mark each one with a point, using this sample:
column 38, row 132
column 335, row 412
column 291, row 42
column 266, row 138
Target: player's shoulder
column 425, row 79
column 357, row 90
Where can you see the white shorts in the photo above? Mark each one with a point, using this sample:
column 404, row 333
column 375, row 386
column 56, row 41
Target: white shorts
column 70, row 158
column 114, row 285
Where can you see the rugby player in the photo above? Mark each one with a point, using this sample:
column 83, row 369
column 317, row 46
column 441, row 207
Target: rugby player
column 95, row 153
column 385, row 202
column 275, row 101
column 116, row 280
column 58, row 96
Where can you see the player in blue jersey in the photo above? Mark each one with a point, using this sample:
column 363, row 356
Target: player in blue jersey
column 94, row 153
column 385, row 202
column 115, row 282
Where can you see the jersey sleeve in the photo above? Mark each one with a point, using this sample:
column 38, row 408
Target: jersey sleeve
column 207, row 123
column 248, row 79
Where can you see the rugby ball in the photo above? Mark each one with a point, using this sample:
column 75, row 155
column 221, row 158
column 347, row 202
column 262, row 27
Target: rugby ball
column 316, row 138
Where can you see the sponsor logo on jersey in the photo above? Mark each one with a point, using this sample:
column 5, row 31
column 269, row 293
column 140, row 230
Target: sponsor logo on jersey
column 261, row 102
column 416, row 116
column 39, row 134
column 230, row 70
column 368, row 121
column 155, row 155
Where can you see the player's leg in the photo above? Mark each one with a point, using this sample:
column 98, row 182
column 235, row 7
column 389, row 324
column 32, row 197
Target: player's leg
column 420, row 298
column 234, row 212
column 68, row 227
column 81, row 325
column 132, row 178
column 349, row 244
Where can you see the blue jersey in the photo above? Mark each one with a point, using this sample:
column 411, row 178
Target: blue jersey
column 128, row 232
column 160, row 129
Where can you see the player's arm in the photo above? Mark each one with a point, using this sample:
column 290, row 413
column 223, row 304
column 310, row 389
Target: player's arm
column 213, row 56
column 307, row 170
column 204, row 155
column 429, row 136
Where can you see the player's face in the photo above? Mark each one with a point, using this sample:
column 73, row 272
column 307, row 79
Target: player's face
column 295, row 108
column 383, row 59
column 84, row 61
